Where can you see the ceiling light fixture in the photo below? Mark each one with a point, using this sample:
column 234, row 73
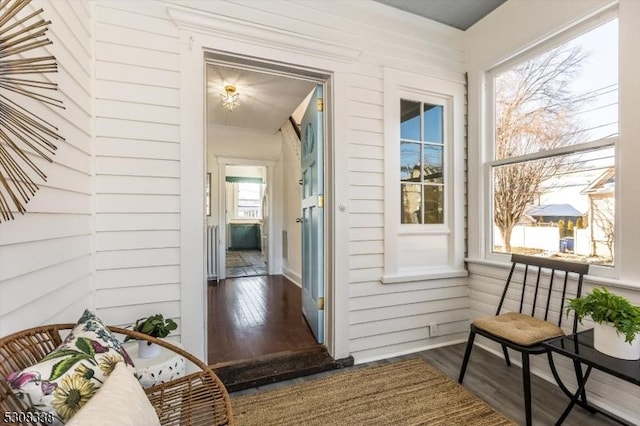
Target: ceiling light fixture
column 230, row 99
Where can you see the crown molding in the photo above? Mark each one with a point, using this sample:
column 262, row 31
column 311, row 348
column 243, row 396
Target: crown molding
column 230, row 28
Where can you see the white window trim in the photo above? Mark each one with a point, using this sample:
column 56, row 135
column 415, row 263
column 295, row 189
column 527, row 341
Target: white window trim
column 449, row 93
column 427, row 98
column 489, row 139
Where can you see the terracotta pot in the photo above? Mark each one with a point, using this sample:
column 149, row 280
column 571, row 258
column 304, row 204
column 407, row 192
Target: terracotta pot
column 609, row 342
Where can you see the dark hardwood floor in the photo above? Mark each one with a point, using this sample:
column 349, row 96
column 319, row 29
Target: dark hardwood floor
column 251, row 317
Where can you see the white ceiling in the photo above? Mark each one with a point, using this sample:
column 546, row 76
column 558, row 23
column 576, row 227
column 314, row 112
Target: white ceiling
column 266, row 101
column 459, row 14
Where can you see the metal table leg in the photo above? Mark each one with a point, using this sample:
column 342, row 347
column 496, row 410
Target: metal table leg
column 582, row 382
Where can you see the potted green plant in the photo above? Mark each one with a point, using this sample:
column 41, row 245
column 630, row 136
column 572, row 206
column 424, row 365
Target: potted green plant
column 616, row 322
column 154, row 326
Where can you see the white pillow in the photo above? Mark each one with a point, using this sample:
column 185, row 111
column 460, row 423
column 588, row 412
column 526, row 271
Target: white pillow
column 119, row 402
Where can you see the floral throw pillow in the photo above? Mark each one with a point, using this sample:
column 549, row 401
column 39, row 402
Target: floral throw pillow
column 69, row 376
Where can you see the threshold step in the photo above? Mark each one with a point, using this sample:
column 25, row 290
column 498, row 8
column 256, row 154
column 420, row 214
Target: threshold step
column 273, row 368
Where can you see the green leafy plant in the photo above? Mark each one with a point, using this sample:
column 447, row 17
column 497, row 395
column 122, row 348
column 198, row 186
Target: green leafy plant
column 606, row 307
column 155, row 326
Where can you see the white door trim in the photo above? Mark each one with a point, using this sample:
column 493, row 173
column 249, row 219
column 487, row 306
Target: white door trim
column 197, row 37
column 274, row 263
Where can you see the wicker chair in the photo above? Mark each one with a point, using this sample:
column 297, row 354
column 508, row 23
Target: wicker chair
column 198, row 398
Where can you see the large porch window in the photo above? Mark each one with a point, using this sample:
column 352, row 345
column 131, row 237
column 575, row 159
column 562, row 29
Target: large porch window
column 552, row 168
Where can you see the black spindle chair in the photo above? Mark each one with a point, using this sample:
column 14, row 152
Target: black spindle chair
column 541, row 294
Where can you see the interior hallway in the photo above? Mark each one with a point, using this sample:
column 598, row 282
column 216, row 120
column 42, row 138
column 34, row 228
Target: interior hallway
column 245, row 263
column 250, row 317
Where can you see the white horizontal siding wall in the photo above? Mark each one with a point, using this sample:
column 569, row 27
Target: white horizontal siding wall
column 46, row 255
column 382, row 319
column 392, row 319
column 137, row 162
column 389, row 319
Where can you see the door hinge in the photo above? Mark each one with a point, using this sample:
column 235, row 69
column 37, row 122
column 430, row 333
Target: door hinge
column 321, row 303
column 320, row 104
column 320, row 201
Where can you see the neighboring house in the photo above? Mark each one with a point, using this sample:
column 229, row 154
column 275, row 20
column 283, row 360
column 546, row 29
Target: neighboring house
column 118, row 226
column 554, row 213
column 601, row 193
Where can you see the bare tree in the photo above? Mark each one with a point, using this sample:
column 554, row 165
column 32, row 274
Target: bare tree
column 534, row 112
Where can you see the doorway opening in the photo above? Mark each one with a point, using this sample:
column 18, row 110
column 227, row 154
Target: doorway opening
column 255, row 157
column 246, row 221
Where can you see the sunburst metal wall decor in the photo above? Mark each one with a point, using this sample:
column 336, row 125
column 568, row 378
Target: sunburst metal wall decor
column 23, row 135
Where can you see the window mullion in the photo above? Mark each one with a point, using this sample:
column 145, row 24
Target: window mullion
column 556, row 152
column 422, row 193
column 422, row 189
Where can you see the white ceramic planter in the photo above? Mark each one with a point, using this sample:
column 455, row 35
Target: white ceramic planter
column 148, row 351
column 607, row 341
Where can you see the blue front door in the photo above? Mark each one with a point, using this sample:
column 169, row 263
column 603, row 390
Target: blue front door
column 313, row 215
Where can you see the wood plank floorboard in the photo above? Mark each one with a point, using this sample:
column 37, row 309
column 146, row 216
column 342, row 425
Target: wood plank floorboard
column 490, row 379
column 250, row 317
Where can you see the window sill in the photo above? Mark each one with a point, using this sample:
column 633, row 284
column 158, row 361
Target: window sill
column 424, row 275
column 596, row 280
column 245, row 221
column 424, row 230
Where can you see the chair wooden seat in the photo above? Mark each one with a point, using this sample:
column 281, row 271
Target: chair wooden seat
column 199, row 398
column 538, row 296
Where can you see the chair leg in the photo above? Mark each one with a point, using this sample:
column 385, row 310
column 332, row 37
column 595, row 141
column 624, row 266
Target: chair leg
column 467, row 354
column 526, row 381
column 506, row 355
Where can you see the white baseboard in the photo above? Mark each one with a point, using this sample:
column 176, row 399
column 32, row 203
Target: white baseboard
column 292, row 276
column 408, row 351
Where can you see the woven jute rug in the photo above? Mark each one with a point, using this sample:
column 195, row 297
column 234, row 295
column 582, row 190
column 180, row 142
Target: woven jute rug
column 404, row 393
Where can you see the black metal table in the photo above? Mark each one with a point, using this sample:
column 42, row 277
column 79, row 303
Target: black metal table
column 579, row 348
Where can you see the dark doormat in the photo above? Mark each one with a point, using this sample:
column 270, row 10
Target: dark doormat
column 239, row 375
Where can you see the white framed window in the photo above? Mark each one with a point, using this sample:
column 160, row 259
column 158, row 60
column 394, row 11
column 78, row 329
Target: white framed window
column 552, row 117
column 422, row 152
column 424, row 177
